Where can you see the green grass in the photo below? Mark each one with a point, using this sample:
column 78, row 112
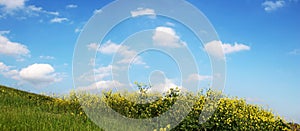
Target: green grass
column 26, row 111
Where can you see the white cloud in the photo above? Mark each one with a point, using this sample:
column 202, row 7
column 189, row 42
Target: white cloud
column 36, row 74
column 98, row 74
column 109, row 48
column 142, row 11
column 97, row 11
column 163, row 87
column 272, row 6
column 219, row 49
column 197, row 77
column 102, row 72
column 12, row 4
column 129, row 56
column 228, row 48
column 58, row 20
column 21, row 11
column 93, row 46
column 77, row 30
column 47, row 57
column 31, row 9
column 71, row 6
column 10, row 48
column 7, row 72
column 102, row 85
column 3, row 67
column 39, row 74
column 214, row 48
column 170, row 24
column 167, row 37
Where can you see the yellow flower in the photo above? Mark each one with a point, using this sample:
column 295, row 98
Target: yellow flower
column 169, row 126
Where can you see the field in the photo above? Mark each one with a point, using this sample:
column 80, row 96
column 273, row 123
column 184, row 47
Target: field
column 26, row 111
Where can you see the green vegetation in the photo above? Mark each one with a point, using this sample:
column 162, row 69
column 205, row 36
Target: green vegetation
column 26, row 111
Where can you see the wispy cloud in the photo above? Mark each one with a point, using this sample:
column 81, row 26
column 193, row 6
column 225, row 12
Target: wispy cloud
column 197, row 77
column 58, row 20
column 19, row 9
column 142, row 11
column 295, row 52
column 170, row 24
column 77, row 30
column 4, row 32
column 110, row 48
column 97, row 11
column 47, row 57
column 31, row 9
column 272, row 6
column 71, row 6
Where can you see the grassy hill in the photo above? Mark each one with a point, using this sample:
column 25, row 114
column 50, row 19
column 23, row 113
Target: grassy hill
column 26, row 111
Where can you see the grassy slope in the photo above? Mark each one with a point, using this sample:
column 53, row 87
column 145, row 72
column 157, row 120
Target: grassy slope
column 25, row 111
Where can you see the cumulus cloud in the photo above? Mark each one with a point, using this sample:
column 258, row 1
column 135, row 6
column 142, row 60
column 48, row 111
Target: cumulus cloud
column 10, row 48
column 71, row 6
column 163, row 87
column 272, row 6
column 142, row 11
column 218, row 49
column 39, row 74
column 58, row 20
column 236, row 47
column 167, row 37
column 109, row 48
column 12, row 4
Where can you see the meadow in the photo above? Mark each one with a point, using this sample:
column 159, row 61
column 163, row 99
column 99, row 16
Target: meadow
column 27, row 111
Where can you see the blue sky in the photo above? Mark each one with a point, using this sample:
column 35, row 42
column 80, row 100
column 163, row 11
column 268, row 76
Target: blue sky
column 261, row 41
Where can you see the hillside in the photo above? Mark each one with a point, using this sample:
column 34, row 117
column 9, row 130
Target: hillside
column 26, row 111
